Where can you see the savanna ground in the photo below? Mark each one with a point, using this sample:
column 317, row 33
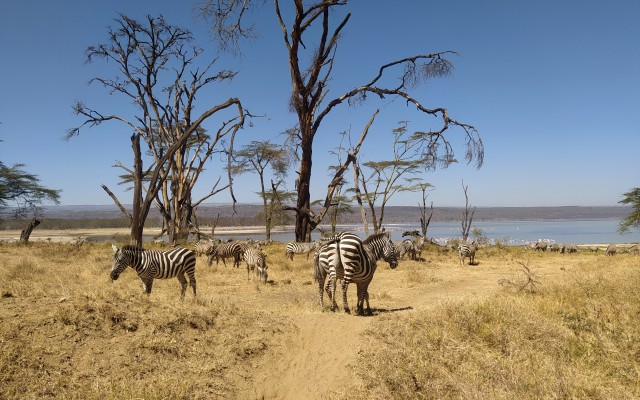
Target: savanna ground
column 439, row 330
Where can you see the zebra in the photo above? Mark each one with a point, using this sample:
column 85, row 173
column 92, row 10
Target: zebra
column 205, row 246
column 571, row 248
column 257, row 260
column 300, row 248
column 467, row 250
column 611, row 250
column 401, row 249
column 414, row 246
column 540, row 246
column 348, row 258
column 233, row 250
column 152, row 264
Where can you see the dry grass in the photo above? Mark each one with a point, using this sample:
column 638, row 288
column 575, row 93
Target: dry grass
column 577, row 338
column 439, row 330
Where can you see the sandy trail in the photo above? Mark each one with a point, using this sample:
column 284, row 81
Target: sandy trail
column 313, row 360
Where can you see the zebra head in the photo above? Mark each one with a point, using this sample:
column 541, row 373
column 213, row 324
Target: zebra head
column 121, row 260
column 389, row 251
column 382, row 247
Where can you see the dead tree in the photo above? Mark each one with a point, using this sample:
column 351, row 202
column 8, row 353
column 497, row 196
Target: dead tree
column 311, row 70
column 153, row 61
column 467, row 215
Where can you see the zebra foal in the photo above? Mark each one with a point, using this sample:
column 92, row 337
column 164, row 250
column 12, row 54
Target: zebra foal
column 154, row 264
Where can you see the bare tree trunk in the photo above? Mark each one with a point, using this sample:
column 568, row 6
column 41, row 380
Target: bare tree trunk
column 137, row 220
column 303, row 206
column 356, row 186
column 467, row 215
column 26, row 232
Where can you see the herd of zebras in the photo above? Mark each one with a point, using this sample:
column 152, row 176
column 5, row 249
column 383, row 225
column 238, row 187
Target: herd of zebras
column 572, row 248
column 342, row 257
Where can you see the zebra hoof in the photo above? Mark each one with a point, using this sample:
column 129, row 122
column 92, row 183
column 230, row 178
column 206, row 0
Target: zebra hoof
column 347, row 311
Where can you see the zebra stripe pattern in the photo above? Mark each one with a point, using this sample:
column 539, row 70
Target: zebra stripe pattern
column 300, row 248
column 226, row 250
column 467, row 250
column 154, row 264
column 348, row 258
column 256, row 260
column 205, row 247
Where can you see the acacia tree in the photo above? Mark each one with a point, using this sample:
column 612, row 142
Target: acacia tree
column 383, row 180
column 157, row 69
column 311, row 37
column 631, row 198
column 258, row 156
column 26, row 193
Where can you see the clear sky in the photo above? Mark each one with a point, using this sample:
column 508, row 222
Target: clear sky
column 552, row 86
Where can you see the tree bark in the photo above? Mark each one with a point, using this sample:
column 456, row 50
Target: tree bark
column 137, row 218
column 26, row 232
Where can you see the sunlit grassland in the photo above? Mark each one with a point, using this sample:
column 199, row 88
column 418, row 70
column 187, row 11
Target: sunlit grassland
column 440, row 330
column 575, row 337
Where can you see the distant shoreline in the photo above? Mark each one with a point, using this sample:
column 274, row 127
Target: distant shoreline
column 393, row 214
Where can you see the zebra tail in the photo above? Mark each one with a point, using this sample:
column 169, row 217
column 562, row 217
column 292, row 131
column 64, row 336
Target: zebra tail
column 317, row 269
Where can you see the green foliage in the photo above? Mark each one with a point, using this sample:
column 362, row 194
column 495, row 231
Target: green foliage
column 23, row 189
column 631, row 198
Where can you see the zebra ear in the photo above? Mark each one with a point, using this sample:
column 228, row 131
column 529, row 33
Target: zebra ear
column 114, row 248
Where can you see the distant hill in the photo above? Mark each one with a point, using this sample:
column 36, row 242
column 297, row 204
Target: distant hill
column 393, row 214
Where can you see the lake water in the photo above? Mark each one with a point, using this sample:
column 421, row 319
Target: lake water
column 512, row 233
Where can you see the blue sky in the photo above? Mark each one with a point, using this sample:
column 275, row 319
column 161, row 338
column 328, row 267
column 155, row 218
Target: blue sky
column 552, row 86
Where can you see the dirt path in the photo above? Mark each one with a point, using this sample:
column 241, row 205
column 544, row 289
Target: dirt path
column 313, row 360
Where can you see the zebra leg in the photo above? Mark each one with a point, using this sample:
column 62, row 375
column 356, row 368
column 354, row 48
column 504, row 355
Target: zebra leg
column 363, row 296
column 147, row 285
column 210, row 260
column 183, row 283
column 192, row 282
column 333, row 282
column 345, row 304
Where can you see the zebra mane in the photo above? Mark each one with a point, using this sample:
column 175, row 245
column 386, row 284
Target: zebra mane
column 375, row 236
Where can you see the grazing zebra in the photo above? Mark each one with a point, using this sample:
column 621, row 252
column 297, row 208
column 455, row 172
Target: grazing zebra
column 555, row 248
column 468, row 250
column 540, row 246
column 348, row 258
column 300, row 248
column 205, row 246
column 154, row 264
column 223, row 251
column 611, row 250
column 571, row 248
column 257, row 260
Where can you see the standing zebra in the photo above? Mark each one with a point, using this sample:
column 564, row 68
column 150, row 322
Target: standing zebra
column 152, row 264
column 348, row 258
column 467, row 250
column 257, row 260
column 300, row 248
column 226, row 250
